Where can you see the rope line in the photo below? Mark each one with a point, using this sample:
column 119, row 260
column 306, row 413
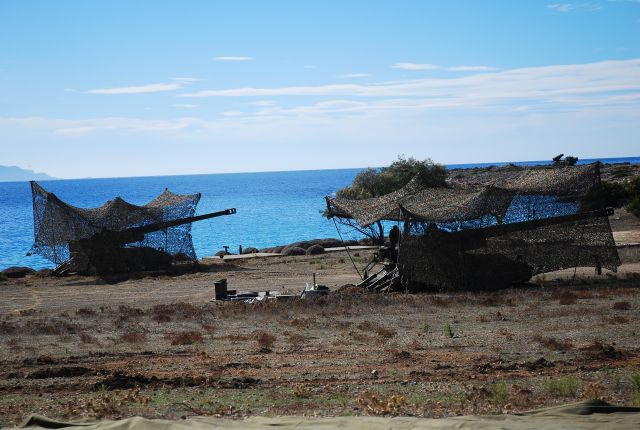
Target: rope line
column 347, row 249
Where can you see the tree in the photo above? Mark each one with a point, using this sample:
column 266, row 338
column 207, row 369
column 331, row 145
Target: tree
column 376, row 182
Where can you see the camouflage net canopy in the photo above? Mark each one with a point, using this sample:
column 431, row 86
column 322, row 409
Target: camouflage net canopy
column 512, row 221
column 57, row 224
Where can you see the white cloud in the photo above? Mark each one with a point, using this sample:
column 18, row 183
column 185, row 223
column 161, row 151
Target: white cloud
column 284, row 91
column 185, row 106
column 624, row 1
column 541, row 84
column 175, row 84
column 472, row 69
column 569, row 7
column 310, row 66
column 234, row 58
column 355, row 75
column 416, row 66
column 263, row 103
column 232, row 113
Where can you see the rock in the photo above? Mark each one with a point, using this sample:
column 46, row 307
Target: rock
column 250, row 250
column 315, row 250
column 43, row 273
column 18, row 272
column 273, row 250
column 293, row 250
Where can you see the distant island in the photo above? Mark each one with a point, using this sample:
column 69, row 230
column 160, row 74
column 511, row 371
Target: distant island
column 14, row 173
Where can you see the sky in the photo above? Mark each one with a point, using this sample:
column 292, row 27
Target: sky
column 136, row 88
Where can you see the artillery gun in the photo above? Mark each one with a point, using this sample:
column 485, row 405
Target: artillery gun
column 467, row 259
column 107, row 253
column 117, row 237
column 489, row 230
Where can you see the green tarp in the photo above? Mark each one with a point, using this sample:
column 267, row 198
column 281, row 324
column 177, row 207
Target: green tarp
column 590, row 415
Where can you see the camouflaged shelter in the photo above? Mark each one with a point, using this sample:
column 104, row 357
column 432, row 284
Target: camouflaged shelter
column 492, row 227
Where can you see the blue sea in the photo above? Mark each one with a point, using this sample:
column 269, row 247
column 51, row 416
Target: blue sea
column 273, row 208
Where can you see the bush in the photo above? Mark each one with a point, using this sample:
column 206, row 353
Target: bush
column 186, row 338
column 634, row 379
column 622, row 306
column 564, row 386
column 133, row 337
column 265, row 340
column 250, row 250
column 634, row 206
column 315, row 250
column 604, row 195
column 293, row 250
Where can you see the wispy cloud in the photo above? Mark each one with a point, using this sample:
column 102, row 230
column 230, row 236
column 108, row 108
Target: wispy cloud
column 472, row 69
column 175, row 84
column 624, row 1
column 263, row 103
column 355, row 75
column 234, row 58
column 538, row 83
column 428, row 66
column 569, row 7
column 185, row 106
column 416, row 66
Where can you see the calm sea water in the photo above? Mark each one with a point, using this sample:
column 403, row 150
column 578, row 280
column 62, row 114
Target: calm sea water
column 274, row 208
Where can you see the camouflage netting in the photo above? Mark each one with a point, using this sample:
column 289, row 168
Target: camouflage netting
column 57, row 223
column 492, row 223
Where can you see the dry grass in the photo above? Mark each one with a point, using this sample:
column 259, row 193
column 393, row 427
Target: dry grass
column 85, row 312
column 327, row 350
column 375, row 404
column 87, row 338
column 554, row 344
column 133, row 337
column 185, row 338
column 567, row 298
column 622, row 306
column 371, row 327
column 265, row 340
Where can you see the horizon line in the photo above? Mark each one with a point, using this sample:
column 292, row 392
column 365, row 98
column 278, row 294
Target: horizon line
column 450, row 165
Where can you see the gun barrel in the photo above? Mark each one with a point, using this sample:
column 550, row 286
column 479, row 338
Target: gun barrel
column 167, row 224
column 496, row 230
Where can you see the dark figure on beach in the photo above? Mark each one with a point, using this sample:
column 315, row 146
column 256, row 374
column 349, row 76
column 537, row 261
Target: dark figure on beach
column 394, row 236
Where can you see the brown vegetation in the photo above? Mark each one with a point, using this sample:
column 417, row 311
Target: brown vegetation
column 350, row 353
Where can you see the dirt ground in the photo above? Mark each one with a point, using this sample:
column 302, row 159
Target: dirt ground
column 77, row 347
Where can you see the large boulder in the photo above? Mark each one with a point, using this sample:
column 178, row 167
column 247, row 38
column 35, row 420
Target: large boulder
column 293, row 250
column 17, row 272
column 315, row 250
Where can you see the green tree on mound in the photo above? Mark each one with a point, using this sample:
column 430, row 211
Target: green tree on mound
column 376, row 182
column 616, row 195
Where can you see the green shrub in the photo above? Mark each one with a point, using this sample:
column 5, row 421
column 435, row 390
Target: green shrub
column 634, row 378
column 448, row 330
column 633, row 187
column 564, row 386
column 424, row 327
column 604, row 195
column 3, row 277
column 634, row 206
column 499, row 394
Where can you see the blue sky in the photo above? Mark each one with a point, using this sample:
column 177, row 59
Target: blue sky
column 122, row 88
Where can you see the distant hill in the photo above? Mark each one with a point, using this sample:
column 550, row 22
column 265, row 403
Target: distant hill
column 14, row 173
